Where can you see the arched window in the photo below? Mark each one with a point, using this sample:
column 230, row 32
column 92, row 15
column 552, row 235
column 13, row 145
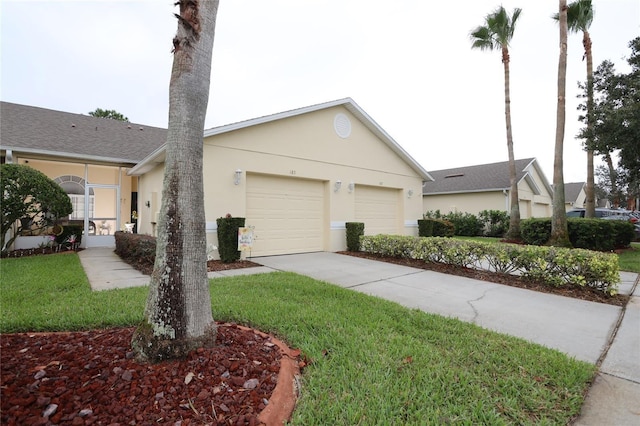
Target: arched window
column 74, row 187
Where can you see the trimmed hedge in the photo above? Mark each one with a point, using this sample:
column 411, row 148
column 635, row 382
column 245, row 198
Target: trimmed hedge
column 228, row 238
column 136, row 249
column 465, row 224
column 552, row 265
column 354, row 231
column 591, row 234
column 429, row 227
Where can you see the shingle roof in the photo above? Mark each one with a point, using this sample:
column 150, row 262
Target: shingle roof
column 572, row 190
column 479, row 178
column 34, row 130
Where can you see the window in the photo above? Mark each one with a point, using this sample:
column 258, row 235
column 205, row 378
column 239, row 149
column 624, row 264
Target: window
column 77, row 201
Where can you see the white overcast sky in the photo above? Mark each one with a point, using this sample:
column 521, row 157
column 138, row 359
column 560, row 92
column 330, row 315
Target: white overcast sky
column 407, row 63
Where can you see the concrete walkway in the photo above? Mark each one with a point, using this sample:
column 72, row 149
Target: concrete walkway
column 593, row 332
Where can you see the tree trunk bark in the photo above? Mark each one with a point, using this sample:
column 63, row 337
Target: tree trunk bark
column 559, row 230
column 513, row 233
column 178, row 314
column 590, row 201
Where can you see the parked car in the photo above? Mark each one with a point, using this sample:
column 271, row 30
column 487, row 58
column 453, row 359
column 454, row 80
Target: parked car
column 600, row 212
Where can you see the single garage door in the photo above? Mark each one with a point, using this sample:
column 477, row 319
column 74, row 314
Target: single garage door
column 379, row 209
column 287, row 213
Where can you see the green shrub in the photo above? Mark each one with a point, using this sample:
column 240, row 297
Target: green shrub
column 495, row 223
column 624, row 233
column 354, row 231
column 443, row 228
column 425, row 227
column 432, row 214
column 552, row 265
column 535, row 231
column 464, row 224
column 136, row 249
column 30, row 199
column 590, row 234
column 228, row 237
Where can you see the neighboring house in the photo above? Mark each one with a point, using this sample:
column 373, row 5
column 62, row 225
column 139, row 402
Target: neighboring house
column 296, row 176
column 89, row 157
column 575, row 195
column 486, row 187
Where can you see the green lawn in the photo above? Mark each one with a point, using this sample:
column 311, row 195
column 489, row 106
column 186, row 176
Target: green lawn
column 630, row 259
column 373, row 361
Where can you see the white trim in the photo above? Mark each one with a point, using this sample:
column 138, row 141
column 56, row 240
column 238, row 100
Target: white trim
column 411, row 223
column 25, row 152
column 338, row 225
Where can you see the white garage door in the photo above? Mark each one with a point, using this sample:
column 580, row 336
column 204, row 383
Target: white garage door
column 379, row 209
column 287, row 213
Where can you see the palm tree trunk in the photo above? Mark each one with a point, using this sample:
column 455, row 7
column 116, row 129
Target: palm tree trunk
column 178, row 314
column 513, row 233
column 590, row 201
column 559, row 230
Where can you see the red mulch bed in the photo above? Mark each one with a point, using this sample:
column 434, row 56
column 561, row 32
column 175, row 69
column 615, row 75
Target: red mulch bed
column 212, row 266
column 91, row 378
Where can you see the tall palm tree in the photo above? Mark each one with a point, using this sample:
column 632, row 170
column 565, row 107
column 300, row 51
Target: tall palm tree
column 496, row 33
column 178, row 316
column 559, row 229
column 579, row 18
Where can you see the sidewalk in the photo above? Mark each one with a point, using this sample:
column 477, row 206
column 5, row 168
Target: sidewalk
column 589, row 331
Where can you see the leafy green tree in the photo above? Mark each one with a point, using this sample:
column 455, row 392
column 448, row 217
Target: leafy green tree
column 616, row 125
column 30, row 199
column 559, row 226
column 579, row 19
column 496, row 33
column 177, row 317
column 611, row 186
column 108, row 113
column 605, row 130
column 629, row 140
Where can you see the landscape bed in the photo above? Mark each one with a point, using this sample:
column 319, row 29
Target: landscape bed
column 369, row 360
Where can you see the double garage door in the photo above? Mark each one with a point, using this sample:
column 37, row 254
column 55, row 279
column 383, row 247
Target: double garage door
column 287, row 214
column 378, row 208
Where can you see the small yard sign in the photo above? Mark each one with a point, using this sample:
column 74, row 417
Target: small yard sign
column 245, row 239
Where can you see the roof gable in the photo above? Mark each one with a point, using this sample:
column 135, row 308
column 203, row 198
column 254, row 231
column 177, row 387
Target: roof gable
column 483, row 178
column 45, row 132
column 572, row 190
column 357, row 112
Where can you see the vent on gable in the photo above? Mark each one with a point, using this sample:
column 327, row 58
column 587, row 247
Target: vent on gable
column 342, row 125
column 454, row 175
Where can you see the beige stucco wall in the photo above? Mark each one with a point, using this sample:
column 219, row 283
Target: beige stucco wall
column 472, row 202
column 301, row 147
